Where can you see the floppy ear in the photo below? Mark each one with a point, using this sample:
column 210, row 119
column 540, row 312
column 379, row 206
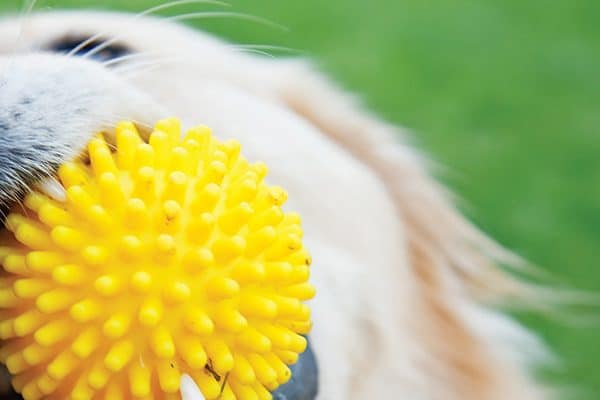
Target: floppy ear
column 456, row 265
column 432, row 223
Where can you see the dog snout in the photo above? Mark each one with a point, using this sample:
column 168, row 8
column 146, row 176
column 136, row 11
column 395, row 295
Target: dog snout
column 50, row 106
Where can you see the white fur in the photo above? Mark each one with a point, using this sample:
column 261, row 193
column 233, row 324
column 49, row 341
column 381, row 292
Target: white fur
column 368, row 205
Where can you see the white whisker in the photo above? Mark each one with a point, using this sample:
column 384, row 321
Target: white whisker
column 181, row 17
column 129, row 57
column 246, row 48
column 253, row 51
column 175, row 3
column 227, row 14
column 108, row 122
column 26, row 10
column 140, row 67
column 269, row 47
column 146, row 12
column 28, row 6
column 151, row 61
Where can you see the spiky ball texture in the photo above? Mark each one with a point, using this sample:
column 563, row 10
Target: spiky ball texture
column 169, row 256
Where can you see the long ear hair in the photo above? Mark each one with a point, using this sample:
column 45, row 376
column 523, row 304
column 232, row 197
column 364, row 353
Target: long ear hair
column 457, row 266
column 433, row 223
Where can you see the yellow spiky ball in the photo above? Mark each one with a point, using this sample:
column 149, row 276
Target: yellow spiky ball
column 169, row 256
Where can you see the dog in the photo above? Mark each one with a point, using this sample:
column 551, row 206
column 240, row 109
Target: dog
column 406, row 286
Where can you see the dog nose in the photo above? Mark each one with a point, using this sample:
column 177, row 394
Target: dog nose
column 47, row 114
column 50, row 107
column 304, row 384
column 98, row 49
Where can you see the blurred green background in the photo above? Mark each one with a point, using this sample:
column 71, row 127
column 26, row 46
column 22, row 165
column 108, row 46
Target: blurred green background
column 504, row 93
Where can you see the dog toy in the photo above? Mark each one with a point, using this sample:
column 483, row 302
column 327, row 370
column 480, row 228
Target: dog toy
column 169, row 256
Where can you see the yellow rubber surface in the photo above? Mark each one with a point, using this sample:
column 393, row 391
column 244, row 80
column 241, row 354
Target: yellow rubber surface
column 169, row 256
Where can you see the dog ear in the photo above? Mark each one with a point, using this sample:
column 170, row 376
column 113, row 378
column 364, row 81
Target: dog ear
column 435, row 229
column 456, row 265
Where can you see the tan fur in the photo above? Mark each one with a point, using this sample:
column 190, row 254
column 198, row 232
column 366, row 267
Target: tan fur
column 447, row 253
column 403, row 278
column 422, row 202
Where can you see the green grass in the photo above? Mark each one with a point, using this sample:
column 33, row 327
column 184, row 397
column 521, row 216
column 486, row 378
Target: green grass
column 504, row 93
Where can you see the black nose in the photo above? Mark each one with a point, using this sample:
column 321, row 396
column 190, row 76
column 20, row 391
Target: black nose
column 304, row 384
column 82, row 45
column 50, row 106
